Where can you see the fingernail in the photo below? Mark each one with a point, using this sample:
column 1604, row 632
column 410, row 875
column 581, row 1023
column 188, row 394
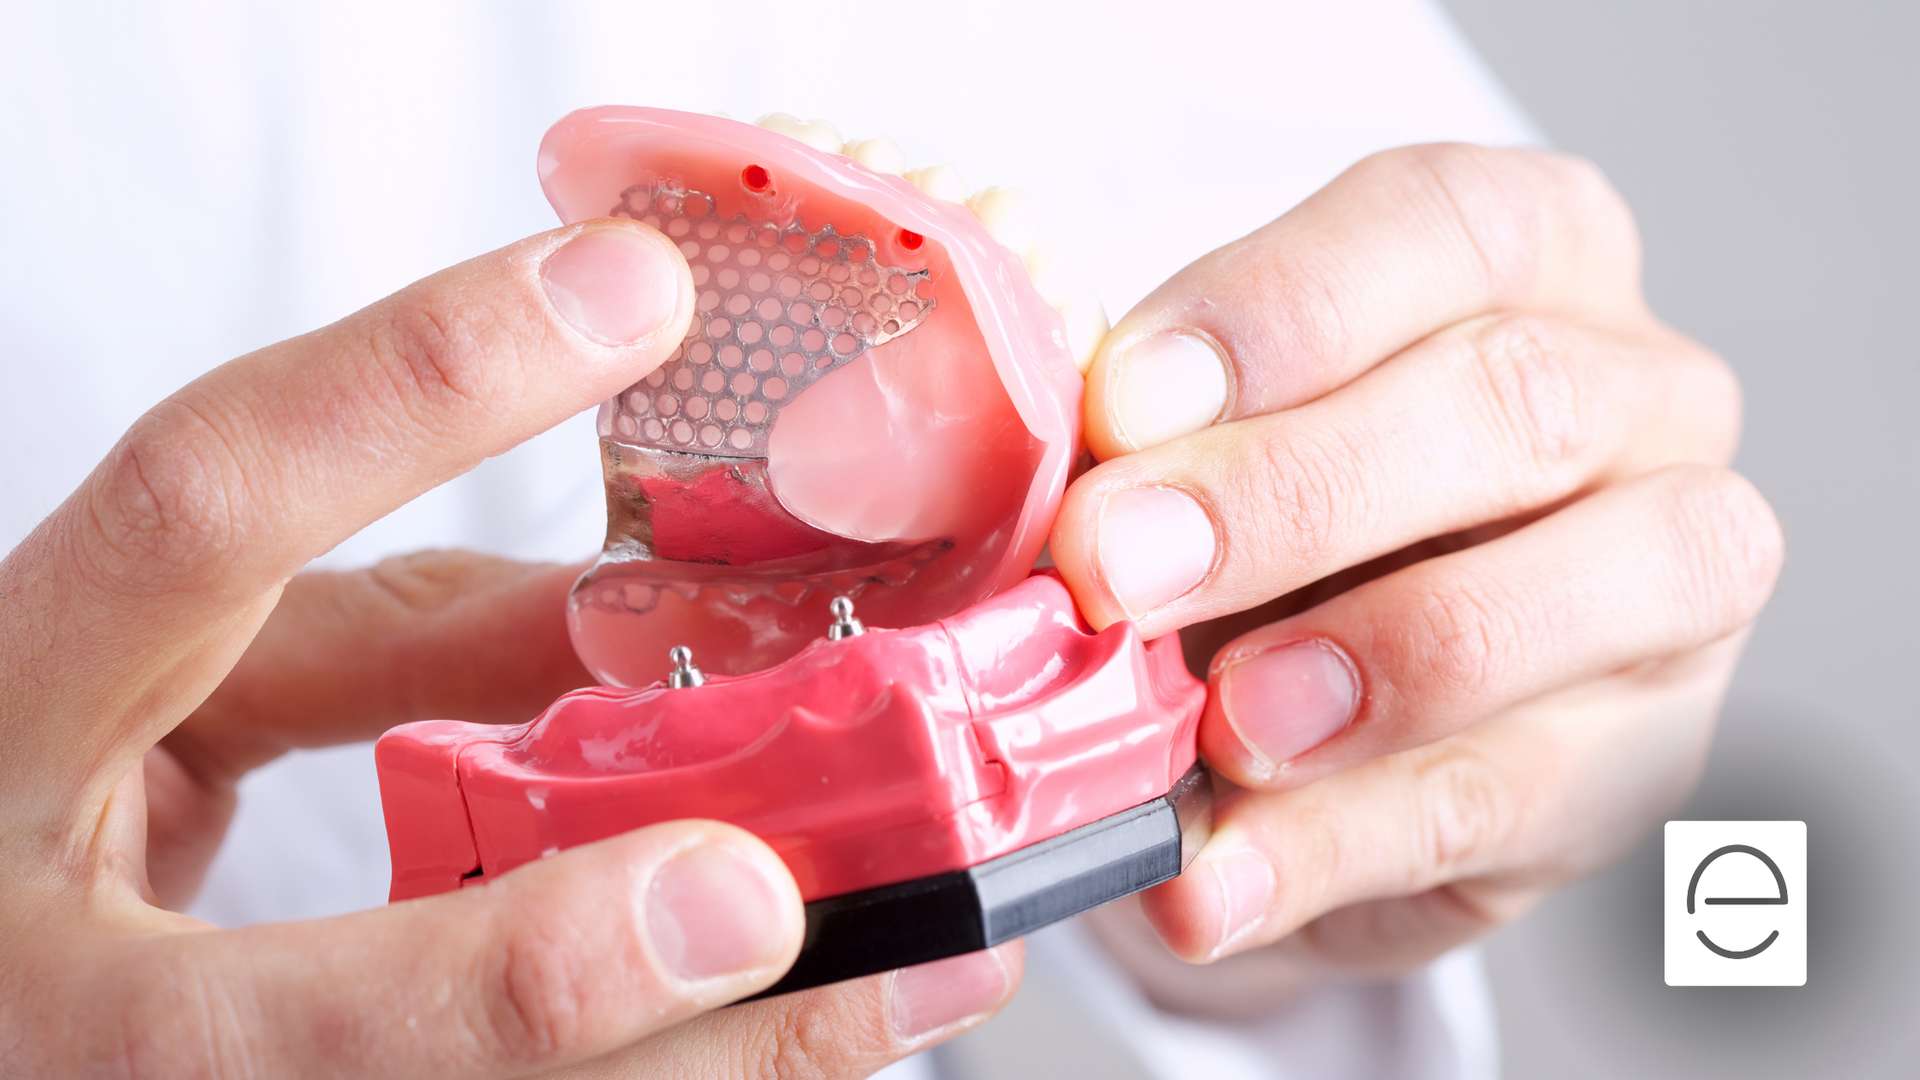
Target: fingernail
column 711, row 913
column 613, row 285
column 1245, row 880
column 1288, row 700
column 928, row 997
column 1154, row 543
column 1166, row 386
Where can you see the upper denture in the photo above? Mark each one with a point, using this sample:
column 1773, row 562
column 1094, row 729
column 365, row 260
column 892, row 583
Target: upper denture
column 899, row 394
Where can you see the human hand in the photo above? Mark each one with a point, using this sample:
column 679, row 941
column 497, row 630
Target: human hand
column 122, row 613
column 1453, row 508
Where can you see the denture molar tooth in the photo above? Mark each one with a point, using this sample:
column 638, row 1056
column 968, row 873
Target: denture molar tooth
column 1009, row 217
column 818, row 134
column 939, row 181
column 1055, row 273
column 1087, row 327
column 879, row 154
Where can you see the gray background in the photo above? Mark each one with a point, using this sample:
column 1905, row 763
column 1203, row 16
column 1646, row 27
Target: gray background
column 1769, row 151
column 1768, row 148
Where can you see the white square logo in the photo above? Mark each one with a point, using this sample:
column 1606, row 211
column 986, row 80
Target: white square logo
column 1736, row 903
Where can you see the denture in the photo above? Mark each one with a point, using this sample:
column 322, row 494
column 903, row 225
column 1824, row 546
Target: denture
column 876, row 399
column 875, row 410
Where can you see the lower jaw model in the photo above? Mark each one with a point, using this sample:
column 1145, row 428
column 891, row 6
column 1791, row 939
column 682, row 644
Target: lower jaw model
column 877, row 404
column 934, row 790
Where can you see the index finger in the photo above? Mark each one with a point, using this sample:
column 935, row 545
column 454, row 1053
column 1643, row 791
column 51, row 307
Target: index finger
column 132, row 599
column 1403, row 244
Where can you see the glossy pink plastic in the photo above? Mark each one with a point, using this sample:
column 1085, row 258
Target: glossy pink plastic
column 866, row 761
column 873, row 401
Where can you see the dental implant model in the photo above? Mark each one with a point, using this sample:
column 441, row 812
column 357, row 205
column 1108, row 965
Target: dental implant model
column 815, row 614
column 934, row 790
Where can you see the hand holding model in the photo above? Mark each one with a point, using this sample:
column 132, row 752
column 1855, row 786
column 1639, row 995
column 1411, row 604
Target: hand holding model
column 134, row 600
column 1453, row 508
column 1442, row 449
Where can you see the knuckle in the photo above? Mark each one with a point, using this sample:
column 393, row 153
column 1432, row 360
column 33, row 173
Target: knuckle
column 158, row 1017
column 1311, row 298
column 427, row 581
column 538, row 1001
column 1512, row 208
column 1312, row 865
column 442, row 357
column 1468, row 910
column 824, row 1035
column 1710, row 400
column 1578, row 175
column 168, row 506
column 1464, row 810
column 1465, row 639
column 1308, row 491
column 1589, row 196
column 1532, row 380
column 1728, row 546
column 1490, row 902
column 1484, row 196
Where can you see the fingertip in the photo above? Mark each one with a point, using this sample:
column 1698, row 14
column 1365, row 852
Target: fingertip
column 1217, row 906
column 620, row 283
column 941, row 998
column 1132, row 547
column 1096, row 413
column 1071, row 546
column 691, row 914
column 1149, row 388
column 1228, row 754
column 1013, row 955
column 721, row 911
column 1184, row 915
column 1274, row 697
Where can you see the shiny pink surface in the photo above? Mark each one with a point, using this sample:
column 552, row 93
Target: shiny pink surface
column 919, row 477
column 876, row 759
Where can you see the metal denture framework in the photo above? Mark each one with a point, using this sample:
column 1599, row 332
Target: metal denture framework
column 778, row 308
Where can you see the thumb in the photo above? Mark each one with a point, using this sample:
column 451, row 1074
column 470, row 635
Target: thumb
column 557, row 962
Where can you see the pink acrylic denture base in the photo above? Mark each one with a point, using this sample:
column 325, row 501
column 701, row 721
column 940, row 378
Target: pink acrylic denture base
column 591, row 159
column 876, row 759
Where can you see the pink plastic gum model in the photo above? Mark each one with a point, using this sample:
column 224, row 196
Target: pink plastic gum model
column 873, row 402
column 874, row 405
column 866, row 761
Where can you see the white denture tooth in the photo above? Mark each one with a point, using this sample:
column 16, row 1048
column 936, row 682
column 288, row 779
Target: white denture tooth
column 940, row 181
column 721, row 114
column 1087, row 327
column 782, row 123
column 1055, row 273
column 1009, row 216
column 878, row 154
column 818, row 134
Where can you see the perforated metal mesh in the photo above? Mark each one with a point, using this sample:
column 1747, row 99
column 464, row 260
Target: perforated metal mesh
column 779, row 307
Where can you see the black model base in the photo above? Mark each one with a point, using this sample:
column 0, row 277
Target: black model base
column 962, row 911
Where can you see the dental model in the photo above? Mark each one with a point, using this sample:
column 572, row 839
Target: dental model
column 877, row 398
column 934, row 790
column 876, row 406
